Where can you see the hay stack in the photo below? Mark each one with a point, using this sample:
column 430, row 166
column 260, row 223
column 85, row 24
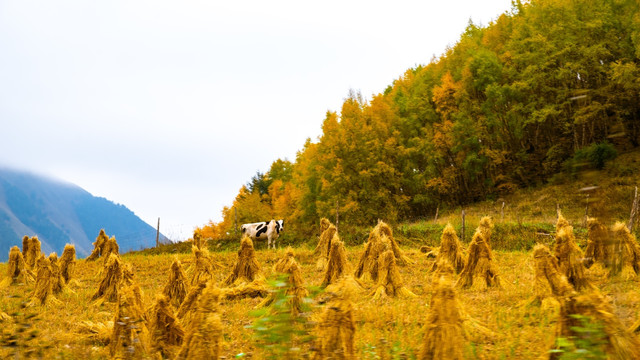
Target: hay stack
column 242, row 289
column 199, row 241
column 190, row 303
column 110, row 247
column 25, row 245
column 166, row 331
column 33, row 252
column 204, row 337
column 111, row 278
column 380, row 239
column 443, row 329
column 43, row 293
column 130, row 336
column 324, row 247
column 486, row 228
column 569, row 258
column 246, row 267
column 68, row 262
column 548, row 279
column 98, row 246
column 598, row 249
column 337, row 264
column 389, row 280
column 58, row 282
column 176, row 288
column 450, row 249
column 296, row 291
column 619, row 343
column 479, row 263
column 336, row 329
column 17, row 269
column 561, row 222
column 202, row 268
column 627, row 251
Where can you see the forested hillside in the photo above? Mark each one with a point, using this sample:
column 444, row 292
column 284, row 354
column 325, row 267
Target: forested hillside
column 550, row 87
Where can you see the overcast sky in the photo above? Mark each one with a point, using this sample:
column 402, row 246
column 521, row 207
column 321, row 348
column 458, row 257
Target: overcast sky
column 169, row 107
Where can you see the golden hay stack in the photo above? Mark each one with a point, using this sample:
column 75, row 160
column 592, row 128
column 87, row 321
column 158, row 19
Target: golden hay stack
column 380, row 239
column 190, row 303
column 202, row 268
column 68, row 262
column 296, row 291
column 336, row 329
column 246, row 267
column 548, row 279
column 17, row 269
column 627, row 246
column 450, row 249
column 569, row 258
column 324, row 247
column 242, row 289
column 598, row 244
column 33, row 252
column 199, row 241
column 337, row 265
column 166, row 331
column 98, row 246
column 130, row 336
column 204, row 337
column 111, row 278
column 486, row 228
column 443, row 331
column 479, row 263
column 25, row 245
column 110, row 247
column 176, row 288
column 58, row 282
column 389, row 280
column 43, row 293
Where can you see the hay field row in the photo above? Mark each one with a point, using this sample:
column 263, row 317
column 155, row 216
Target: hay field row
column 390, row 328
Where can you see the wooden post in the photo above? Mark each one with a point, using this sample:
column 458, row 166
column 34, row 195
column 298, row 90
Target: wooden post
column 463, row 215
column 502, row 212
column 158, row 234
column 436, row 218
column 634, row 210
column 337, row 219
column 557, row 211
column 235, row 221
column 586, row 211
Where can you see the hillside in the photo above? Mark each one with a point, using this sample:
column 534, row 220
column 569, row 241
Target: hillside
column 60, row 213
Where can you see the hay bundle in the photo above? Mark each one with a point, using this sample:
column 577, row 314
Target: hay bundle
column 166, row 331
column 246, row 267
column 98, row 246
column 486, row 228
column 188, row 306
column 176, row 288
column 111, row 278
column 337, row 265
column 450, row 249
column 199, row 241
column 479, row 263
column 548, row 280
column 598, row 244
column 324, row 247
column 33, row 252
column 203, row 341
column 110, row 247
column 443, row 329
column 389, row 280
column 58, row 282
column 377, row 243
column 618, row 342
column 569, row 256
column 43, row 293
column 295, row 288
column 68, row 262
column 561, row 222
column 202, row 268
column 130, row 336
column 336, row 328
column 242, row 289
column 401, row 258
column 17, row 270
column 96, row 331
column 627, row 250
column 25, row 245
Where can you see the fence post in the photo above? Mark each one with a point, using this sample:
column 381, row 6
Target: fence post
column 634, row 210
column 463, row 215
column 437, row 210
column 502, row 212
column 158, row 234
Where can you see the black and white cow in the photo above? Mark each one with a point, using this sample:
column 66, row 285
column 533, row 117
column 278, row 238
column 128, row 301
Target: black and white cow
column 269, row 230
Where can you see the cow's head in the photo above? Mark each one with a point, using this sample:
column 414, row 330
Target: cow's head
column 279, row 226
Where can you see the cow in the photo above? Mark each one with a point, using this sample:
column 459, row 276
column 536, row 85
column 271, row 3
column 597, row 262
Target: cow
column 269, row 230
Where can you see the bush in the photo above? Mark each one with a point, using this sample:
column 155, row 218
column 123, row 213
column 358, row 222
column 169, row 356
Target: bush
column 596, row 155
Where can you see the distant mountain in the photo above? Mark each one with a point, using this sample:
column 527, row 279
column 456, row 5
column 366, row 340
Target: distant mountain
column 60, row 213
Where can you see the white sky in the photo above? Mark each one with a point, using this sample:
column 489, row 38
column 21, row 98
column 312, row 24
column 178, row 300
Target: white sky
column 169, row 107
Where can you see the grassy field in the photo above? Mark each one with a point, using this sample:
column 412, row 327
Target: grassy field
column 386, row 329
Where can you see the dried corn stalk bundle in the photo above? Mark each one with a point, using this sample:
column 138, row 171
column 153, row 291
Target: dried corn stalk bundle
column 627, row 251
column 450, row 249
column 295, row 287
column 599, row 243
column 486, row 228
column 17, row 270
column 569, row 258
column 110, row 247
column 130, row 336
column 33, row 252
column 479, row 264
column 246, row 267
column 111, row 278
column 389, row 280
column 548, row 280
column 58, row 282
column 443, row 329
column 380, row 239
column 43, row 293
column 337, row 265
column 176, row 288
column 324, row 247
column 98, row 246
column 204, row 336
column 324, row 225
column 68, row 262
column 166, row 331
column 336, row 329
column 202, row 268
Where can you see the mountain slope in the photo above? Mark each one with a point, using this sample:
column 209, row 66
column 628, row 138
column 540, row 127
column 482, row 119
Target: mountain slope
column 60, row 213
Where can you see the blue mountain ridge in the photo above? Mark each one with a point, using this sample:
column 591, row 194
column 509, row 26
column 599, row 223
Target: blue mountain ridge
column 60, row 213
